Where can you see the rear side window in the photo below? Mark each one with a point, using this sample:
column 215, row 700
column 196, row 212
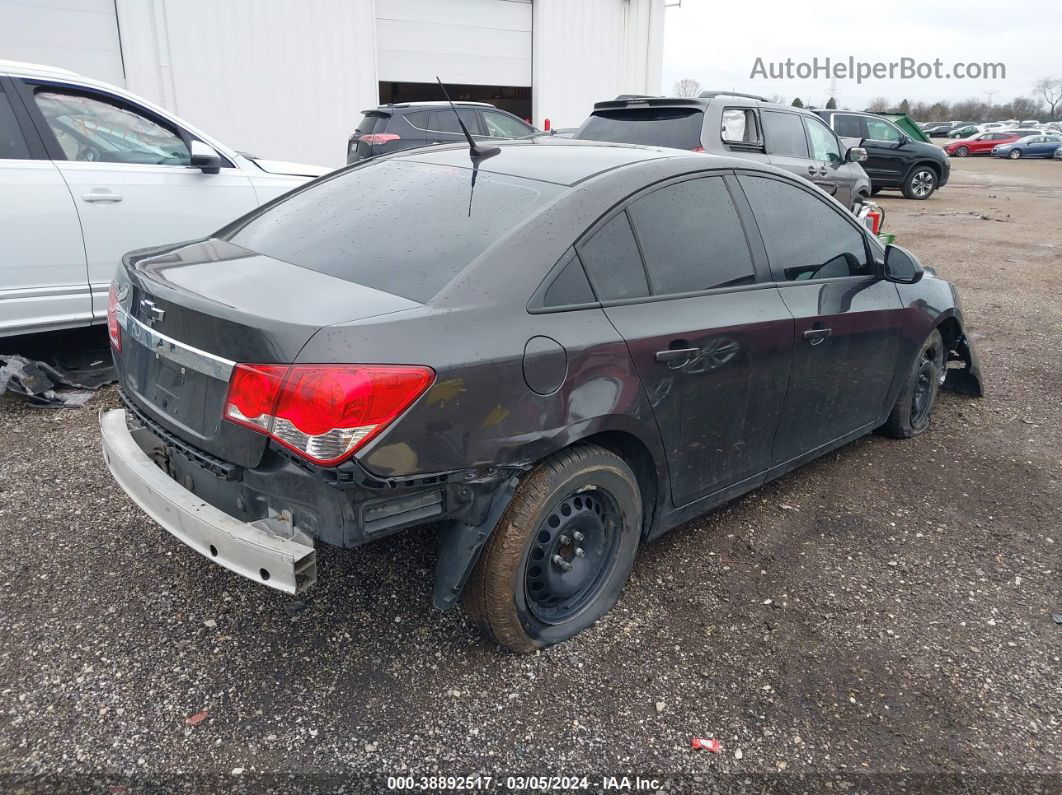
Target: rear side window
column 805, row 238
column 739, row 126
column 691, row 237
column 848, row 126
column 446, row 121
column 419, row 119
column 784, row 133
column 570, row 287
column 402, row 227
column 679, row 128
column 12, row 144
column 612, row 261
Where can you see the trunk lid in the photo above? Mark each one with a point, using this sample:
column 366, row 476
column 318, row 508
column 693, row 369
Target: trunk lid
column 195, row 311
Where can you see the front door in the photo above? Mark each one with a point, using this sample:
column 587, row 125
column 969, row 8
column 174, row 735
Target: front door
column 711, row 346
column 833, row 172
column 846, row 335
column 131, row 180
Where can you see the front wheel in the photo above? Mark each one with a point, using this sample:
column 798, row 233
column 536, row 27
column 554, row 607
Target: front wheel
column 1015, row 154
column 920, row 183
column 914, row 405
column 561, row 553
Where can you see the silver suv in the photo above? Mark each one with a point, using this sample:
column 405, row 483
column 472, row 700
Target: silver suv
column 739, row 125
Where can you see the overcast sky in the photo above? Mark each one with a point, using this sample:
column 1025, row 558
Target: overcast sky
column 717, row 44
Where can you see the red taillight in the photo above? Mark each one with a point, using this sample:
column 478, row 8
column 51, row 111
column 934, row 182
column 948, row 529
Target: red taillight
column 697, row 149
column 322, row 412
column 114, row 331
column 379, row 138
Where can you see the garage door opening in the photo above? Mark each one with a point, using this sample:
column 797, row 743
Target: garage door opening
column 515, row 99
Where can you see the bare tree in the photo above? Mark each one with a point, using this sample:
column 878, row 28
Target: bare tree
column 1051, row 90
column 687, row 87
column 879, row 104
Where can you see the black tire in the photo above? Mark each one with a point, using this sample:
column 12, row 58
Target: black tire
column 876, row 191
column 584, row 493
column 921, row 183
column 962, row 151
column 911, row 414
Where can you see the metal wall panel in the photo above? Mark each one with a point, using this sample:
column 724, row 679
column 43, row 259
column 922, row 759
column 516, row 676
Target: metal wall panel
column 592, row 50
column 484, row 42
column 279, row 79
column 81, row 35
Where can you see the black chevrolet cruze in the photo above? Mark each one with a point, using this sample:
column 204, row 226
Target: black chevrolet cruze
column 553, row 354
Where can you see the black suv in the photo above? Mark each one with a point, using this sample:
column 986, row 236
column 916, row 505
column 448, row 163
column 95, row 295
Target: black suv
column 894, row 160
column 739, row 125
column 407, row 125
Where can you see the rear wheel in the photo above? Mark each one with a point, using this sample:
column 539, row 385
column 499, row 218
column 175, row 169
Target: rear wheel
column 561, row 553
column 962, row 151
column 1015, row 154
column 920, row 183
column 911, row 414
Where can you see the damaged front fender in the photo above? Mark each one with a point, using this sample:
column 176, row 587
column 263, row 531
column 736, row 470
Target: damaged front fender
column 965, row 380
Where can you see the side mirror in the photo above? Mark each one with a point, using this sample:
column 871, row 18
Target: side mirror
column 904, row 139
column 901, row 266
column 857, row 154
column 205, row 158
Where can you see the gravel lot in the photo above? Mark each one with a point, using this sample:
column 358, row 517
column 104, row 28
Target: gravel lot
column 887, row 609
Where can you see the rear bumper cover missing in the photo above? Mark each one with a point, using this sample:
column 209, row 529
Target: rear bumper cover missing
column 270, row 552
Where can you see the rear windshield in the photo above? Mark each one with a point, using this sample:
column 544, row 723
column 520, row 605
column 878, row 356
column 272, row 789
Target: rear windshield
column 679, row 128
column 369, row 123
column 394, row 225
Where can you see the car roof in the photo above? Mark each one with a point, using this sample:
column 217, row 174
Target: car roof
column 24, row 69
column 702, row 102
column 391, row 106
column 562, row 161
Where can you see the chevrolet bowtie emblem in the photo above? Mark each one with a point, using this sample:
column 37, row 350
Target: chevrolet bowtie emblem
column 151, row 312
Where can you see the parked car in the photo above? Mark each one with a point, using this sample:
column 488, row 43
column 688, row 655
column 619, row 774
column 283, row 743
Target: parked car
column 554, row 355
column 965, row 131
column 407, row 125
column 1058, row 154
column 89, row 171
column 938, row 129
column 893, row 160
column 1031, row 146
column 979, row 143
column 739, row 125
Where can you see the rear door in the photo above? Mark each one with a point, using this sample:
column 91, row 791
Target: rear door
column 43, row 281
column 711, row 346
column 129, row 172
column 846, row 336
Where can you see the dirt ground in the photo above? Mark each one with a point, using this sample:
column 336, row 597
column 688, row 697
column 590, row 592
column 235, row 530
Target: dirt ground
column 886, row 610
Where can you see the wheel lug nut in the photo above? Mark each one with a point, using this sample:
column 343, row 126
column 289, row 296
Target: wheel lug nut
column 579, row 552
column 564, row 541
column 577, row 535
column 561, row 563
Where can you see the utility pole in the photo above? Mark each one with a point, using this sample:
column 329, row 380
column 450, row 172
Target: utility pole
column 990, row 94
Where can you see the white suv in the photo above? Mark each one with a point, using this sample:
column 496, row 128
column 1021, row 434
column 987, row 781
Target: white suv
column 88, row 172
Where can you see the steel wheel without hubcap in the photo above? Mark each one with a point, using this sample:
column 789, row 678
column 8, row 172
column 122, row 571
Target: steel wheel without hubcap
column 572, row 555
column 927, row 379
column 1014, row 154
column 922, row 183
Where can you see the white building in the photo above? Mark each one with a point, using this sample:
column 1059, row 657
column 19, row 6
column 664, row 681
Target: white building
column 287, row 79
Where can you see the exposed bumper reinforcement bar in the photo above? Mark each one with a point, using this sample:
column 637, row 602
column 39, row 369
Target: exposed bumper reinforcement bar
column 285, row 562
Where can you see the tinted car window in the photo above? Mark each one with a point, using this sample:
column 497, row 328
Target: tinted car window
column 848, row 126
column 446, row 121
column 691, row 237
column 92, row 130
column 824, row 144
column 805, row 238
column 418, row 119
column 369, row 123
column 397, row 226
column 784, row 133
column 676, row 127
column 612, row 261
column 12, row 144
column 570, row 287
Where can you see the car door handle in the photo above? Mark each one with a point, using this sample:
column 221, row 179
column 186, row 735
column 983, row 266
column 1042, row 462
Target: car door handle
column 812, row 170
column 817, row 335
column 675, row 354
column 101, row 196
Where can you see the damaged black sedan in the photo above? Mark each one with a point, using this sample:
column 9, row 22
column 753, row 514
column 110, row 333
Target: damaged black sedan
column 553, row 354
